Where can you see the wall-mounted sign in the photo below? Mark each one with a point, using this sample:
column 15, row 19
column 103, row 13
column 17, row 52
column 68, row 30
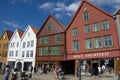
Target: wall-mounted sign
column 93, row 55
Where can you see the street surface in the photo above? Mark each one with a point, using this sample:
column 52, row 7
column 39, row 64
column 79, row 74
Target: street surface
column 51, row 76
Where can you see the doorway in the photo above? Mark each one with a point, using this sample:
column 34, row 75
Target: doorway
column 94, row 68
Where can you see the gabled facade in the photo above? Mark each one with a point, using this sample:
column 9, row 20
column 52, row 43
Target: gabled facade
column 14, row 49
column 4, row 42
column 28, row 47
column 92, row 38
column 50, row 43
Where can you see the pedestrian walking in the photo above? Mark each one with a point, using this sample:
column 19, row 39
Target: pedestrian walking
column 77, row 72
column 7, row 72
column 14, row 75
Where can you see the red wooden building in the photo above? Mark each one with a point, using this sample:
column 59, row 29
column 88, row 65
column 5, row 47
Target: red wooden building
column 51, row 43
column 92, row 37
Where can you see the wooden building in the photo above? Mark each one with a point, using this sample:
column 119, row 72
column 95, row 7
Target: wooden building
column 51, row 43
column 92, row 39
column 4, row 42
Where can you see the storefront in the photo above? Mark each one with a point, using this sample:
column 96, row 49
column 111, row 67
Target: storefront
column 101, row 63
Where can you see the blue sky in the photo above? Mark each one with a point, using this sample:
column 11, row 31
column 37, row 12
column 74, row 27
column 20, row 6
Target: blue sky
column 20, row 13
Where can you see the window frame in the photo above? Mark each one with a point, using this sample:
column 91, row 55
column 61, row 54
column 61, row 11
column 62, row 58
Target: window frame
column 109, row 39
column 76, row 45
column 75, row 31
column 87, row 29
column 89, row 42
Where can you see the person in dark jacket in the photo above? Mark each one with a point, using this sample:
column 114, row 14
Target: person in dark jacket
column 7, row 72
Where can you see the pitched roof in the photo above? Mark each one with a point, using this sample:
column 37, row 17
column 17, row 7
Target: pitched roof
column 91, row 4
column 20, row 33
column 34, row 29
column 50, row 16
column 9, row 33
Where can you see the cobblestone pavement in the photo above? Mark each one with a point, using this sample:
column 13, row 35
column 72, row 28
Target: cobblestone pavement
column 50, row 76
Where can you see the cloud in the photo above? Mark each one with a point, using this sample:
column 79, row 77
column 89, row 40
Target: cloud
column 45, row 6
column 59, row 8
column 73, row 7
column 112, row 3
column 23, row 1
column 58, row 15
column 12, row 24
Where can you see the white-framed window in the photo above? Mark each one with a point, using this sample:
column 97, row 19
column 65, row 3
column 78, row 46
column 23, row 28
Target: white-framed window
column 96, row 27
column 27, row 53
column 17, row 44
column 24, row 44
column 89, row 44
column 105, row 25
column 28, row 44
column 87, row 28
column 16, row 54
column 57, row 37
column 23, row 53
column 32, row 43
column 98, row 42
column 86, row 16
column 31, row 53
column 76, row 46
column 75, row 32
column 13, row 44
column 108, row 42
column 12, row 53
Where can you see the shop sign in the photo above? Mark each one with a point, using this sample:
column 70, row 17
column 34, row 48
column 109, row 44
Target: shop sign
column 92, row 55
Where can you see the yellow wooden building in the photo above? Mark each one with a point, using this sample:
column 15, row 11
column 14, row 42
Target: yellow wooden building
column 4, row 43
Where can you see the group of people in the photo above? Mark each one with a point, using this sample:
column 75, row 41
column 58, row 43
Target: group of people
column 15, row 74
column 7, row 73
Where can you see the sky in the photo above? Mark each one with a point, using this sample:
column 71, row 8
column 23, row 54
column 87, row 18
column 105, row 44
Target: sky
column 18, row 14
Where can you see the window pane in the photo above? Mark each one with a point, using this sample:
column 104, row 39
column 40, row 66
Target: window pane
column 86, row 16
column 45, row 50
column 46, row 39
column 57, row 38
column 87, row 28
column 32, row 43
column 108, row 41
column 49, row 27
column 98, row 42
column 96, row 27
column 28, row 44
column 76, row 45
column 55, row 50
column 75, row 32
column 105, row 25
column 88, row 43
column 31, row 53
column 40, row 51
column 41, row 40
